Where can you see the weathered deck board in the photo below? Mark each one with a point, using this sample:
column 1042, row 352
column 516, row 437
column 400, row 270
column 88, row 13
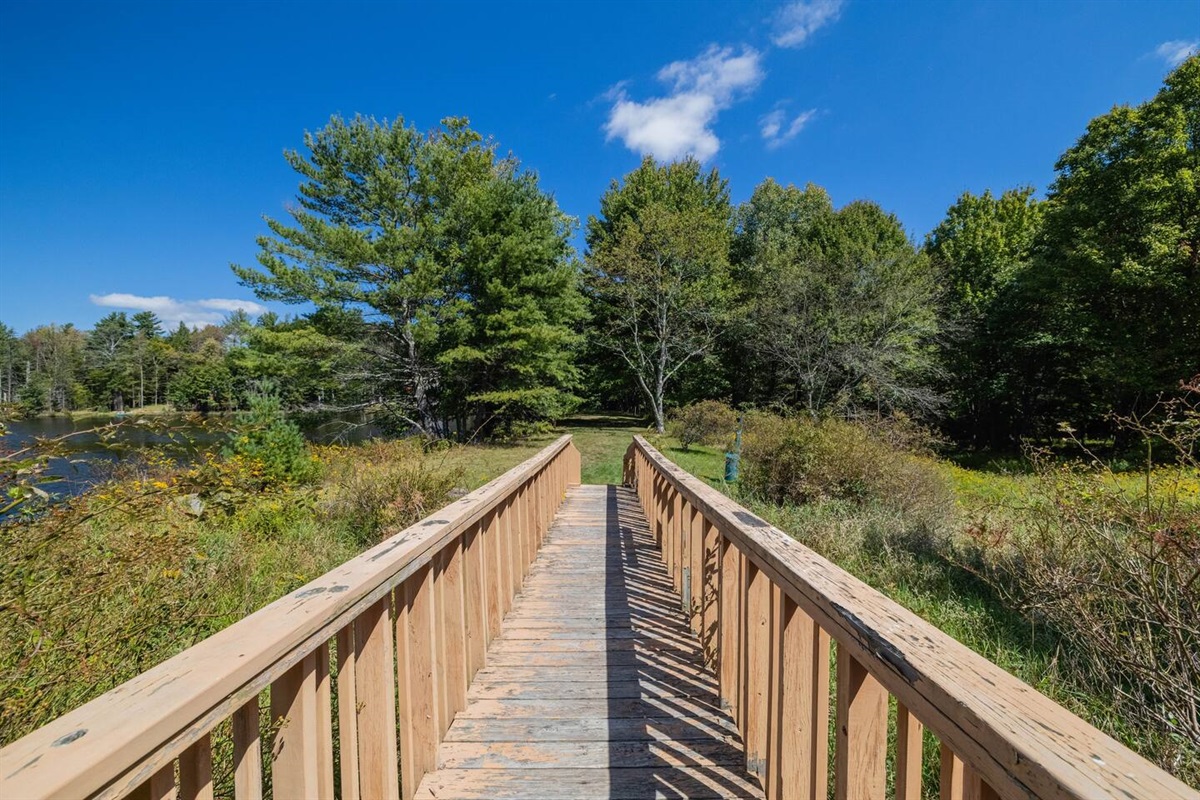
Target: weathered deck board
column 596, row 688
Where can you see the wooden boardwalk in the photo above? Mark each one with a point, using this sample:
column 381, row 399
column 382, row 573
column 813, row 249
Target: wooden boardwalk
column 596, row 687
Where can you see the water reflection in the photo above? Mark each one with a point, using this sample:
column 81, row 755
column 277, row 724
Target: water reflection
column 89, row 456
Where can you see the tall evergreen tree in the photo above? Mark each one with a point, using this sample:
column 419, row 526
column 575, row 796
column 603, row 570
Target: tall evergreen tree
column 428, row 235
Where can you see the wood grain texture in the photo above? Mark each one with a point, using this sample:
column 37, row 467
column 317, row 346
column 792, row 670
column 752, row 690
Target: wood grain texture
column 294, row 744
column 910, row 735
column 1020, row 742
column 598, row 680
column 247, row 753
column 375, row 676
column 347, row 715
column 862, row 721
column 115, row 743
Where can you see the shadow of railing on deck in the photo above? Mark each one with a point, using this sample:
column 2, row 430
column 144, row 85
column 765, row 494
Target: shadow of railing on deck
column 663, row 707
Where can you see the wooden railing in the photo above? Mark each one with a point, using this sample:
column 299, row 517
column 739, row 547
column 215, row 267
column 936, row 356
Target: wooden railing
column 385, row 644
column 768, row 611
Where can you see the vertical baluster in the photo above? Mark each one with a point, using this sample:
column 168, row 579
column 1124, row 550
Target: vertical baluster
column 773, row 755
column 442, row 684
column 684, row 550
column 541, row 499
column 503, row 543
column 696, row 560
column 375, row 693
column 417, row 675
column 728, row 654
column 475, row 591
column 951, row 778
column 195, row 771
column 660, row 509
column 674, row 565
column 909, row 741
column 247, row 752
column 803, row 750
column 515, row 535
column 711, row 591
column 161, row 785
column 861, row 732
column 324, row 723
column 452, row 633
column 294, row 745
column 493, row 566
column 758, row 652
column 347, row 715
column 744, row 637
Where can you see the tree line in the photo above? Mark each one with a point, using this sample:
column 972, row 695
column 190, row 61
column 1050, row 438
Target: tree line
column 439, row 283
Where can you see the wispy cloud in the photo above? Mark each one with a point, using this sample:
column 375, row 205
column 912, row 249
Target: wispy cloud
column 799, row 20
column 1176, row 52
column 194, row 313
column 680, row 123
column 777, row 130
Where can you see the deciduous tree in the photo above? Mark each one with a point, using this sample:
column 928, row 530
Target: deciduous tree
column 658, row 272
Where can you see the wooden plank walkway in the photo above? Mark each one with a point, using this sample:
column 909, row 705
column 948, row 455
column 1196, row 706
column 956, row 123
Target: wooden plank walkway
column 596, row 687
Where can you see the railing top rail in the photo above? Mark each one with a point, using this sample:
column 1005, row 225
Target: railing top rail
column 1022, row 743
column 84, row 751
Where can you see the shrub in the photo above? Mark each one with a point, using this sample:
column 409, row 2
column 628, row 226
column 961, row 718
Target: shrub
column 708, row 422
column 798, row 460
column 1111, row 563
column 266, row 436
column 387, row 485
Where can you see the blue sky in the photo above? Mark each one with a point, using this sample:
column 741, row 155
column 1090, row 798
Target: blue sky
column 140, row 144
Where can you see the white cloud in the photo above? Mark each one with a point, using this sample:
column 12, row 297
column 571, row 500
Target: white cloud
column 1176, row 52
column 680, row 124
column 799, row 20
column 194, row 313
column 774, row 132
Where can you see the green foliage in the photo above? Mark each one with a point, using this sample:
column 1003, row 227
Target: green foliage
column 1088, row 302
column 1117, row 282
column 658, row 273
column 796, row 460
column 205, row 383
column 265, row 436
column 983, row 249
column 106, row 585
column 841, row 310
column 385, row 487
column 458, row 252
column 709, row 422
column 1109, row 563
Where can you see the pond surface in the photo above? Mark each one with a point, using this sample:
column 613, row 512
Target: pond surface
column 89, row 457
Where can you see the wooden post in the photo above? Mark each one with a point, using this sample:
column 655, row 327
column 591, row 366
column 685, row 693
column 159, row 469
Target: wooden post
column 416, row 676
column 294, row 746
column 773, row 756
column 909, row 740
column 347, row 714
column 696, row 563
column 195, row 771
column 728, row 653
column 161, row 786
column 951, row 778
column 758, row 658
column 475, row 597
column 493, row 566
column 861, row 732
column 711, row 591
column 503, row 542
column 451, row 630
column 247, row 753
column 324, row 723
column 375, row 678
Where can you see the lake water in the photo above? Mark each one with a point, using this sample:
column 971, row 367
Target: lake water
column 89, row 458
